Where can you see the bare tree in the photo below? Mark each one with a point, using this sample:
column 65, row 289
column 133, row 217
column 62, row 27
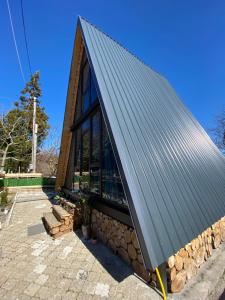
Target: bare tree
column 218, row 132
column 13, row 131
column 47, row 158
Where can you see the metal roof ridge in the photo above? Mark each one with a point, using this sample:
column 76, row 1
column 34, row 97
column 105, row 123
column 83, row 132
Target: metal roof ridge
column 135, row 56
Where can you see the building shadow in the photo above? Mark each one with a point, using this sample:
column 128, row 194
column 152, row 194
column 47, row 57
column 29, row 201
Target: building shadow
column 111, row 262
column 50, row 193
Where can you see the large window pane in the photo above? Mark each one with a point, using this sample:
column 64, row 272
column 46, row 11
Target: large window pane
column 86, row 76
column 86, row 101
column 84, row 182
column 95, row 154
column 112, row 189
column 93, row 91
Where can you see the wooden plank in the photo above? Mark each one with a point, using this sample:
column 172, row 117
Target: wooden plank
column 60, row 213
column 51, row 220
column 60, row 233
column 70, row 110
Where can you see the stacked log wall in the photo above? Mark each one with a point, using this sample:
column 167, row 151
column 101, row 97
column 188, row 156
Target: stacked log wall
column 184, row 265
column 74, row 210
column 121, row 239
column 181, row 266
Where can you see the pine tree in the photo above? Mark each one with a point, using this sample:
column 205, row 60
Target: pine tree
column 16, row 128
column 25, row 104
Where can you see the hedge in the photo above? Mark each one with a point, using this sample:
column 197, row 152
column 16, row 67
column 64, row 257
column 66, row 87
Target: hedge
column 11, row 182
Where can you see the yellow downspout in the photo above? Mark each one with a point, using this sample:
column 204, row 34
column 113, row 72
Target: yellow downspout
column 161, row 284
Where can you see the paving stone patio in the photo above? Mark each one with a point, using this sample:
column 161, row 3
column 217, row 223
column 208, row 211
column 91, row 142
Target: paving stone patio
column 33, row 266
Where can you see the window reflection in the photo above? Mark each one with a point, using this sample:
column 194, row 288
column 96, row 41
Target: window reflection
column 112, row 189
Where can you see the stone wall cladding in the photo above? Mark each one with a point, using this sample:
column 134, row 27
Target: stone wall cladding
column 181, row 267
column 185, row 263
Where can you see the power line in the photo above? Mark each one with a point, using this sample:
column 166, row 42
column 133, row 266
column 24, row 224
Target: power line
column 15, row 43
column 25, row 36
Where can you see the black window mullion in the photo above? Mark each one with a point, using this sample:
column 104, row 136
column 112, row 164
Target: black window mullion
column 89, row 79
column 81, row 150
column 81, row 93
column 90, row 148
column 90, row 85
column 74, row 139
column 101, row 154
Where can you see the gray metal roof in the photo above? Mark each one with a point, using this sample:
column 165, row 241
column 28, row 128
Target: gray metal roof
column 173, row 174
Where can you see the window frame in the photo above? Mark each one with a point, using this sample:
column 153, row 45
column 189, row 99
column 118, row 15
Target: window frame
column 89, row 114
column 94, row 107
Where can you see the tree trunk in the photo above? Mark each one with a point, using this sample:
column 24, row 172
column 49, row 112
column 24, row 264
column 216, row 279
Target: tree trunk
column 4, row 156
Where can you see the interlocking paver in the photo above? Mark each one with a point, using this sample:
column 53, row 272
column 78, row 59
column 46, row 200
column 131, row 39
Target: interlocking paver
column 9, row 284
column 42, row 279
column 32, row 289
column 37, row 267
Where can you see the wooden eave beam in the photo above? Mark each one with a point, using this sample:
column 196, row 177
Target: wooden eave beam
column 71, row 99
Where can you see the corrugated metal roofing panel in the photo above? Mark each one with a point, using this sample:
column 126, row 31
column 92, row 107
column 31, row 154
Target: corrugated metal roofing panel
column 173, row 174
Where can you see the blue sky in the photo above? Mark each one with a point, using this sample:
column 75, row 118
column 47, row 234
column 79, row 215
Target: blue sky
column 183, row 40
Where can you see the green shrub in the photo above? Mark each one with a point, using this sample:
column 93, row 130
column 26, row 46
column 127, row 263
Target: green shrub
column 4, row 197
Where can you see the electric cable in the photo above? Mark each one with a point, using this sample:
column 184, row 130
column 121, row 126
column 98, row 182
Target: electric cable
column 25, row 37
column 15, row 43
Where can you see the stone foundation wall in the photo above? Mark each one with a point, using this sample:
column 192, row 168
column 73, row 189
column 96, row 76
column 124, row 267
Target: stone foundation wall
column 181, row 267
column 185, row 263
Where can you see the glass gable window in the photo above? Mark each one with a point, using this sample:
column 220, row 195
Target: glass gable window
column 95, row 169
column 87, row 94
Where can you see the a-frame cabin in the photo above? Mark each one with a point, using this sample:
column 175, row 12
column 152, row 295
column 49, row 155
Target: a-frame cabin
column 138, row 153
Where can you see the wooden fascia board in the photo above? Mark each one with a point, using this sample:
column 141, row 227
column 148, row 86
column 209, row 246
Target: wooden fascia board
column 72, row 94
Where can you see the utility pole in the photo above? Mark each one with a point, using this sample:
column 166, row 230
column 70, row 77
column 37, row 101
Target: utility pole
column 34, row 136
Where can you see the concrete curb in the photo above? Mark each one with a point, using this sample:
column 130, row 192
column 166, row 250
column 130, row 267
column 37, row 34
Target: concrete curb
column 209, row 282
column 31, row 200
column 8, row 219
